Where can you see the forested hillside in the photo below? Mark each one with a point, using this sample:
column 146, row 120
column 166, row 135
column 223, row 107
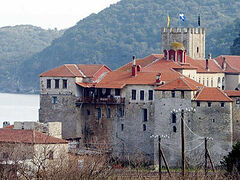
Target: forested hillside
column 18, row 43
column 132, row 27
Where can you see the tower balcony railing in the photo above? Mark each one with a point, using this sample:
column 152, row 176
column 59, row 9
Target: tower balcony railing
column 100, row 100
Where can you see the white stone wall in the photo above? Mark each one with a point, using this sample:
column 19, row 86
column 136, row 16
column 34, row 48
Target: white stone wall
column 207, row 79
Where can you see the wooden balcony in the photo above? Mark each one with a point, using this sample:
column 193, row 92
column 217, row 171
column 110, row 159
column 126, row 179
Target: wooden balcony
column 108, row 100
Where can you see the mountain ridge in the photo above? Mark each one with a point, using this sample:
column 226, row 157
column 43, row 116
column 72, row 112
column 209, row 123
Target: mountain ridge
column 130, row 27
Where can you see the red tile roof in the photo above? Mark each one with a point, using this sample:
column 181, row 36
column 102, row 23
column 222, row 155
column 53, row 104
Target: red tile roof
column 73, row 70
column 231, row 93
column 86, row 85
column 66, row 70
column 181, row 83
column 118, row 79
column 142, row 62
column 89, row 70
column 232, row 63
column 212, row 94
column 9, row 127
column 201, row 65
column 27, row 136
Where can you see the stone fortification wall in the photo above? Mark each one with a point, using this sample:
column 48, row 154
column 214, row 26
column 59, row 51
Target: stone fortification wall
column 63, row 111
column 214, row 121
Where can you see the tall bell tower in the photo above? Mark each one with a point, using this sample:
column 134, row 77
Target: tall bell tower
column 193, row 40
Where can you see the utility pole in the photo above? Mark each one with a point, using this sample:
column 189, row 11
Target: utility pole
column 159, row 158
column 183, row 142
column 206, row 156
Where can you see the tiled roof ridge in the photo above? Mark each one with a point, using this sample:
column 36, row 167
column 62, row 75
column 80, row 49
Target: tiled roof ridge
column 222, row 56
column 184, row 81
column 66, row 65
column 199, row 92
column 157, row 59
column 217, row 63
column 79, row 70
column 224, row 94
column 99, row 69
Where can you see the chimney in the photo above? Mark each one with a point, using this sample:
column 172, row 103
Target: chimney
column 134, row 67
column 158, row 78
column 209, row 56
column 207, row 64
column 224, row 64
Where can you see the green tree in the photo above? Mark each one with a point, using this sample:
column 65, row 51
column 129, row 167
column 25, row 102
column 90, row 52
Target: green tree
column 232, row 160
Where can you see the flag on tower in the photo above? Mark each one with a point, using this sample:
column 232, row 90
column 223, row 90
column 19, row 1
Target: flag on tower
column 182, row 16
column 168, row 21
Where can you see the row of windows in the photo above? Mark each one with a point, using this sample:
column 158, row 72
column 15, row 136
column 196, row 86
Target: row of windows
column 222, row 104
column 173, row 94
column 49, row 83
column 99, row 113
column 219, row 82
column 134, row 95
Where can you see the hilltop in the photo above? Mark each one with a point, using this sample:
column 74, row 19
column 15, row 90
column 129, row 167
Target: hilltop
column 132, row 27
column 17, row 44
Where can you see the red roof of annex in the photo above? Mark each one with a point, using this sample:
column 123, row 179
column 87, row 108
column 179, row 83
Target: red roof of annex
column 27, row 137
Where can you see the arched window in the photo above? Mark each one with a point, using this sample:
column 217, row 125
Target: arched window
column 197, row 49
column 219, row 82
column 203, row 82
column 207, row 82
column 165, row 53
column 223, row 83
column 212, row 82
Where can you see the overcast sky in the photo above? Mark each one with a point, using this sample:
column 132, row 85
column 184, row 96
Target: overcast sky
column 49, row 13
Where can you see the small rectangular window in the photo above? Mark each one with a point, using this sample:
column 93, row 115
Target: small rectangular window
column 142, row 95
column 49, row 83
column 173, row 94
column 99, row 113
column 144, row 115
column 134, row 94
column 182, row 94
column 222, row 104
column 209, row 104
column 150, row 93
column 121, row 112
column 56, row 83
column 122, row 127
column 174, row 117
column 198, row 103
column 144, row 127
column 108, row 113
column 54, row 100
column 64, row 84
column 117, row 92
